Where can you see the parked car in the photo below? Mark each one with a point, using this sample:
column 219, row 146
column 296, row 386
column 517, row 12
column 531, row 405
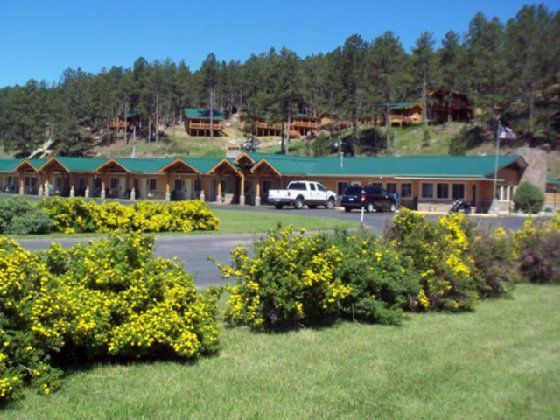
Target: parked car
column 371, row 198
column 301, row 193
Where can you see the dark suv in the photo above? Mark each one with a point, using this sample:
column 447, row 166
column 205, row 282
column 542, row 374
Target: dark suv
column 371, row 197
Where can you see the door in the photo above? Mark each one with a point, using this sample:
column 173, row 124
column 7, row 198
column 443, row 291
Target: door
column 177, row 193
column 474, row 191
column 266, row 186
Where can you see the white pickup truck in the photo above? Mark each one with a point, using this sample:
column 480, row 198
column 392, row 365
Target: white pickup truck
column 301, row 193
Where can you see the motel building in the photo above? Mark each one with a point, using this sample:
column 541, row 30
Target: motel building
column 423, row 183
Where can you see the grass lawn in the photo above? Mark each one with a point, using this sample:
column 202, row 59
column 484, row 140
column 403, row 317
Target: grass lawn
column 501, row 361
column 239, row 221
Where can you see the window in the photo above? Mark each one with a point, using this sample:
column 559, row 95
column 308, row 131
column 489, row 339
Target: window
column 197, row 185
column 427, row 190
column 152, row 184
column 342, row 187
column 443, row 191
column 313, row 188
column 406, row 190
column 458, row 191
column 297, row 186
column 377, row 185
column 321, row 188
column 115, row 183
column 391, row 188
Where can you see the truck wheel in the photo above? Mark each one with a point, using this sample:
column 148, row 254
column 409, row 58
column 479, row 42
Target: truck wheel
column 279, row 206
column 330, row 203
column 370, row 208
column 298, row 204
column 347, row 209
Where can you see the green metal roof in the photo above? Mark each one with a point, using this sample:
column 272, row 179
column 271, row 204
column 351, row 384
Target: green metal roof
column 409, row 166
column 202, row 113
column 37, row 162
column 76, row 164
column 9, row 165
column 202, row 164
column 144, row 165
column 398, row 105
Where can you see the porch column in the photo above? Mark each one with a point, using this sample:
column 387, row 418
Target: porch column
column 40, row 190
column 219, row 191
column 72, row 192
column 103, row 194
column 202, row 195
column 167, row 189
column 21, row 184
column 46, row 185
column 86, row 192
column 242, row 195
column 257, row 192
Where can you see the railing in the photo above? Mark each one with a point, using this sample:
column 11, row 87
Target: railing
column 204, row 126
column 305, row 124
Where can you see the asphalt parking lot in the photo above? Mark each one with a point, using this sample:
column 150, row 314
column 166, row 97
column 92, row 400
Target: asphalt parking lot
column 194, row 250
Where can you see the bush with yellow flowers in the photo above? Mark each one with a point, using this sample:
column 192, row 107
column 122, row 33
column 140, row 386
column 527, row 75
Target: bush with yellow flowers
column 289, row 279
column 382, row 281
column 440, row 253
column 24, row 357
column 74, row 215
column 110, row 298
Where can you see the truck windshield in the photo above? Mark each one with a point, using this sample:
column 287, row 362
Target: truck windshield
column 297, row 186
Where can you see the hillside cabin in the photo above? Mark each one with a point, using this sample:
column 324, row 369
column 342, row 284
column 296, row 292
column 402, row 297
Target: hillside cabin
column 333, row 123
column 200, row 122
column 399, row 113
column 448, row 105
column 302, row 125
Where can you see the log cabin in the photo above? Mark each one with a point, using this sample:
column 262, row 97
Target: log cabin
column 425, row 183
column 197, row 122
column 444, row 104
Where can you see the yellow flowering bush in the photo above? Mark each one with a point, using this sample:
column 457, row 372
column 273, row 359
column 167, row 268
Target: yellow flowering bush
column 290, row 278
column 24, row 358
column 75, row 215
column 113, row 297
column 110, row 298
column 440, row 254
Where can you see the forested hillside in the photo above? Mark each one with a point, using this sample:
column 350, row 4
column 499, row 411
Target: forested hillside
column 511, row 66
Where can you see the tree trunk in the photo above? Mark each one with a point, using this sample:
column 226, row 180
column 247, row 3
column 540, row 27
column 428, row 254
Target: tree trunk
column 449, row 101
column 157, row 118
column 424, row 101
column 150, row 129
column 125, row 122
column 530, row 122
column 212, row 112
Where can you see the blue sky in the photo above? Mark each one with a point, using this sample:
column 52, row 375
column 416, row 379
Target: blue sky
column 40, row 38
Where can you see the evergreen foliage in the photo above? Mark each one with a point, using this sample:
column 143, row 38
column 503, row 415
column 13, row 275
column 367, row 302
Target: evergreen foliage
column 511, row 66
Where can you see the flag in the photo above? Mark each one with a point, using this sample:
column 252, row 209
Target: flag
column 506, row 133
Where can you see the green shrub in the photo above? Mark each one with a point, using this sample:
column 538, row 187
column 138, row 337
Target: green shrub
column 538, row 248
column 21, row 217
column 381, row 281
column 466, row 139
column 528, row 198
column 495, row 265
column 288, row 279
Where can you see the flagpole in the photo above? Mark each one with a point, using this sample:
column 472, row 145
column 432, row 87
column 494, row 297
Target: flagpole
column 496, row 207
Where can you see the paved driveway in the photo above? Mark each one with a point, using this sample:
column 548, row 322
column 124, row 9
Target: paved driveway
column 195, row 249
